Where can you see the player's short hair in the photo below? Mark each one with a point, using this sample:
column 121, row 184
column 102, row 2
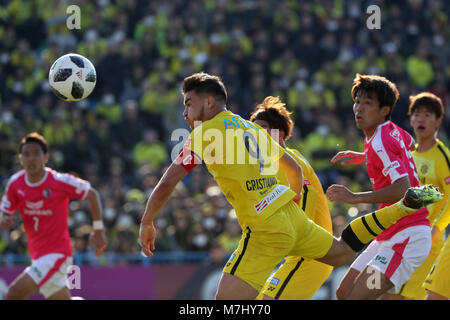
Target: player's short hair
column 34, row 137
column 202, row 82
column 427, row 100
column 274, row 112
column 385, row 90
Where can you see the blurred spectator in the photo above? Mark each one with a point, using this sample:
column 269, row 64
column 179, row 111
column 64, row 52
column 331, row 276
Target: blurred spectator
column 149, row 150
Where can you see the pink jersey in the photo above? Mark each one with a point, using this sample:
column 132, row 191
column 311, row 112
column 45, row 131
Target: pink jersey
column 388, row 158
column 44, row 207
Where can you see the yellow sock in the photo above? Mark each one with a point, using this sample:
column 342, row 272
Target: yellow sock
column 365, row 228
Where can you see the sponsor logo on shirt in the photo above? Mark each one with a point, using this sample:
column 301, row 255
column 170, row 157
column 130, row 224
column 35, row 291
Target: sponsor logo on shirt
column 447, row 180
column 271, row 197
column 35, row 205
column 34, row 208
column 391, row 166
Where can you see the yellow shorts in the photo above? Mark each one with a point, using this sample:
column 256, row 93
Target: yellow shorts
column 296, row 279
column 413, row 288
column 439, row 278
column 288, row 232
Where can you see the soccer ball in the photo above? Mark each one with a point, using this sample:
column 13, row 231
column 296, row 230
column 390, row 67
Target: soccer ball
column 72, row 77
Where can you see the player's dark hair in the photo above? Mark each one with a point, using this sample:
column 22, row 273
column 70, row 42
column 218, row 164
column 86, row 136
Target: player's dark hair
column 202, row 82
column 274, row 112
column 427, row 100
column 385, row 90
column 34, row 137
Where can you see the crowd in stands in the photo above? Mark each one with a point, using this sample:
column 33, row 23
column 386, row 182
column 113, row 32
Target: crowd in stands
column 120, row 137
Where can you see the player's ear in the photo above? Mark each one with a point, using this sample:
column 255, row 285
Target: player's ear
column 46, row 157
column 211, row 101
column 385, row 110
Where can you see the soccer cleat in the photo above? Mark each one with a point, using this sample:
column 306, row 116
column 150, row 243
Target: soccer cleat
column 418, row 197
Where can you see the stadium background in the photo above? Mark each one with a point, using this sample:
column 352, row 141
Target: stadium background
column 306, row 52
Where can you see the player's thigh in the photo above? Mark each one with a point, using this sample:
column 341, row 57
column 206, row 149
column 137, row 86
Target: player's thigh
column 369, row 285
column 49, row 272
column 346, row 284
column 431, row 295
column 261, row 248
column 22, row 287
column 296, row 279
column 312, row 240
column 355, row 269
column 62, row 294
column 233, row 288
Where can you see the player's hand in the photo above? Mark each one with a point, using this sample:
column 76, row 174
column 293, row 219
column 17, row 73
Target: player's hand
column 7, row 221
column 341, row 193
column 147, row 236
column 349, row 157
column 98, row 239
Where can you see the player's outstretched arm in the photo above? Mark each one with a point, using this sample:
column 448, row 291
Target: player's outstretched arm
column 349, row 157
column 97, row 237
column 158, row 198
column 6, row 220
column 391, row 193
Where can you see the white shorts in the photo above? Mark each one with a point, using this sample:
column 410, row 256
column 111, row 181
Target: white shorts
column 50, row 272
column 398, row 257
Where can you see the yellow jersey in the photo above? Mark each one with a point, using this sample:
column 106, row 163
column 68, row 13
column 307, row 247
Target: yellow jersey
column 314, row 201
column 243, row 160
column 433, row 167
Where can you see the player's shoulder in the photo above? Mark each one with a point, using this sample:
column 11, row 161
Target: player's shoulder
column 443, row 151
column 441, row 146
column 17, row 178
column 63, row 177
column 298, row 156
column 390, row 133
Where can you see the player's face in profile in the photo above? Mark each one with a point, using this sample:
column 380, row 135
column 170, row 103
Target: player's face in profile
column 32, row 157
column 368, row 113
column 424, row 122
column 194, row 108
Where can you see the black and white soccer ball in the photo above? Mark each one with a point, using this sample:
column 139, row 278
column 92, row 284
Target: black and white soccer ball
column 72, row 77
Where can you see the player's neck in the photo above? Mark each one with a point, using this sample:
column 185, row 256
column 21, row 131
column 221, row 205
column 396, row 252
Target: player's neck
column 369, row 132
column 34, row 177
column 214, row 112
column 425, row 143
